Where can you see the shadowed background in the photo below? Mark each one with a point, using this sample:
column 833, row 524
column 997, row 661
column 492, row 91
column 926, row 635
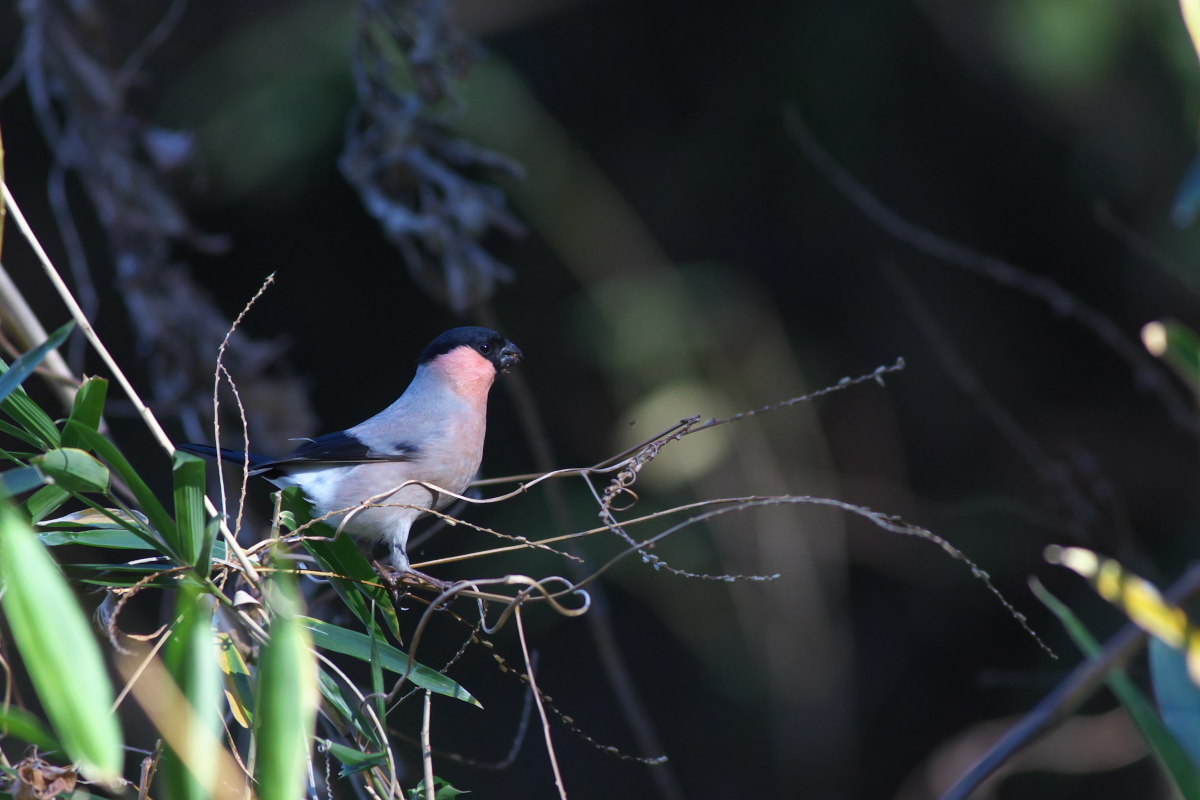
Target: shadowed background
column 683, row 256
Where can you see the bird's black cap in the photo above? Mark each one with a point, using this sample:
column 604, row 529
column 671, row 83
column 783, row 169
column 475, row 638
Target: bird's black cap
column 495, row 348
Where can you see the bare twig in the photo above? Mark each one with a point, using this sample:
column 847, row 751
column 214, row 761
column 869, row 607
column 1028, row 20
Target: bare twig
column 136, row 673
column 567, row 720
column 216, row 401
column 426, row 748
column 537, row 699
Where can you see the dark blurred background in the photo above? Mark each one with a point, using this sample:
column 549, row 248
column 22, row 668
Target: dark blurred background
column 684, row 256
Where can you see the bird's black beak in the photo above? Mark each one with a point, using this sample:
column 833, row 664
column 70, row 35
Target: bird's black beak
column 510, row 356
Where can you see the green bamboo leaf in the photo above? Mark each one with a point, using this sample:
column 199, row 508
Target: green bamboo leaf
column 114, row 539
column 20, row 723
column 239, row 690
column 21, row 434
column 353, row 760
column 24, row 366
column 110, row 519
column 63, row 659
column 379, row 694
column 160, row 521
column 111, row 576
column 1164, row 745
column 441, row 790
column 195, row 543
column 104, row 520
column 37, row 424
column 287, row 696
column 46, row 501
column 1177, row 695
column 87, row 410
column 74, row 470
column 354, row 579
column 191, row 659
column 344, row 707
column 358, row 645
column 20, row 480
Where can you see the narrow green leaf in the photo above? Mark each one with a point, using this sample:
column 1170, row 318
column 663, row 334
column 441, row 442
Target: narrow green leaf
column 87, row 410
column 46, row 501
column 1178, row 697
column 1164, row 745
column 24, row 366
column 190, row 519
column 375, row 636
column 25, row 726
column 358, row 645
column 239, row 690
column 63, row 659
column 441, row 790
column 214, row 549
column 287, row 696
column 115, row 519
column 341, row 703
column 74, row 470
column 191, row 771
column 36, row 423
column 160, row 521
column 118, row 519
column 116, row 539
column 21, row 434
column 20, row 480
column 353, row 760
column 355, row 580
column 112, row 576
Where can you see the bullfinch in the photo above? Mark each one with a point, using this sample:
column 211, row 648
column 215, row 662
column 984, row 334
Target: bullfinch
column 432, row 433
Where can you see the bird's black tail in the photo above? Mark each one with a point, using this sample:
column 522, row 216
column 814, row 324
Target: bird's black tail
column 232, row 456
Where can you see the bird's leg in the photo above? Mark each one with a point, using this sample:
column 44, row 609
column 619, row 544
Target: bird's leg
column 397, row 578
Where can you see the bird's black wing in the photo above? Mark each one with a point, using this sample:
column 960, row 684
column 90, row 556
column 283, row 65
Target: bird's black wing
column 346, row 447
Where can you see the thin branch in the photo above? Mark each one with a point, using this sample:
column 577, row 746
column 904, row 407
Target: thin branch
column 137, row 672
column 537, row 698
column 426, row 747
column 216, row 401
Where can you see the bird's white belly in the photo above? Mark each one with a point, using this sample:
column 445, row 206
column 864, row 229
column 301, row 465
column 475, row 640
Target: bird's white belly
column 371, row 500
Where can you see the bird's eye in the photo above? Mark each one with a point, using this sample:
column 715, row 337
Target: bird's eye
column 485, row 348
